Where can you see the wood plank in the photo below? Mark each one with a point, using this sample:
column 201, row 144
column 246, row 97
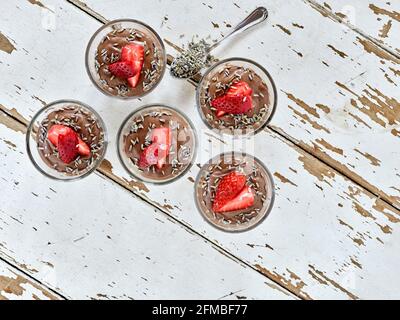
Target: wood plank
column 376, row 18
column 338, row 98
column 14, row 285
column 116, row 247
column 323, row 227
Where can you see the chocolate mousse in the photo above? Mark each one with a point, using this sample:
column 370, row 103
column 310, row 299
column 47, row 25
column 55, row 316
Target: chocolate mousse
column 109, row 51
column 219, row 82
column 157, row 144
column 89, row 134
column 233, row 209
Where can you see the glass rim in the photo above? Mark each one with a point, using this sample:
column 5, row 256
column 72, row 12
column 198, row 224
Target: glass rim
column 91, row 41
column 120, row 152
column 268, row 209
column 264, row 70
column 30, row 130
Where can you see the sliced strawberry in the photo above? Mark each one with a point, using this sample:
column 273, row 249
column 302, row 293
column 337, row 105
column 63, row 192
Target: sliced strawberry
column 133, row 53
column 58, row 129
column 162, row 137
column 67, row 146
column 228, row 188
column 243, row 200
column 237, row 100
column 149, row 156
column 232, row 104
column 240, row 88
column 122, row 69
column 83, row 148
column 133, row 81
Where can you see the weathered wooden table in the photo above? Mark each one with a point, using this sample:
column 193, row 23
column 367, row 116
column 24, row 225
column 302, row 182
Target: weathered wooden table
column 333, row 147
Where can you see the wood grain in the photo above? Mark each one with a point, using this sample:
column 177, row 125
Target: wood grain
column 323, row 226
column 14, row 285
column 377, row 19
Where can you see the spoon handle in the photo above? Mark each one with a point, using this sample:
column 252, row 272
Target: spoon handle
column 257, row 16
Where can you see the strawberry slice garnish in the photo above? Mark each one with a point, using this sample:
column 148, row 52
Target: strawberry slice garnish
column 240, row 88
column 67, row 146
column 237, row 100
column 55, row 131
column 228, row 188
column 149, row 156
column 58, row 129
column 133, row 54
column 162, row 137
column 244, row 200
column 122, row 69
column 83, row 148
column 157, row 152
column 232, row 104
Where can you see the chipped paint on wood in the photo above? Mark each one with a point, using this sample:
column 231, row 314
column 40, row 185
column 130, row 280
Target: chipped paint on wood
column 324, row 108
column 306, row 118
column 40, row 4
column 328, row 281
column 372, row 48
column 328, row 146
column 17, row 285
column 380, row 11
column 365, row 213
column 378, row 107
column 356, row 263
column 5, row 44
column 15, row 114
column 294, row 285
column 285, row 30
column 303, row 105
column 317, row 169
column 10, row 123
column 345, row 224
column 106, row 169
column 385, row 229
column 374, row 161
column 349, row 173
column 82, row 5
column 384, row 32
column 337, row 51
column 284, row 179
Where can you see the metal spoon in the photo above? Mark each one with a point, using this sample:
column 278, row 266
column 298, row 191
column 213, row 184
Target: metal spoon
column 197, row 56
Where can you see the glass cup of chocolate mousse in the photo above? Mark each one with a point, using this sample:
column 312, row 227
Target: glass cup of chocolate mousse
column 234, row 192
column 157, row 143
column 125, row 58
column 236, row 96
column 66, row 140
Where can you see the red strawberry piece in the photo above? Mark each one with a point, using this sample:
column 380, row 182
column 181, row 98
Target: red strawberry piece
column 133, row 81
column 162, row 137
column 83, row 148
column 240, row 88
column 243, row 200
column 55, row 131
column 122, row 69
column 149, row 156
column 232, row 104
column 228, row 188
column 237, row 100
column 133, row 53
column 58, row 129
column 68, row 146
